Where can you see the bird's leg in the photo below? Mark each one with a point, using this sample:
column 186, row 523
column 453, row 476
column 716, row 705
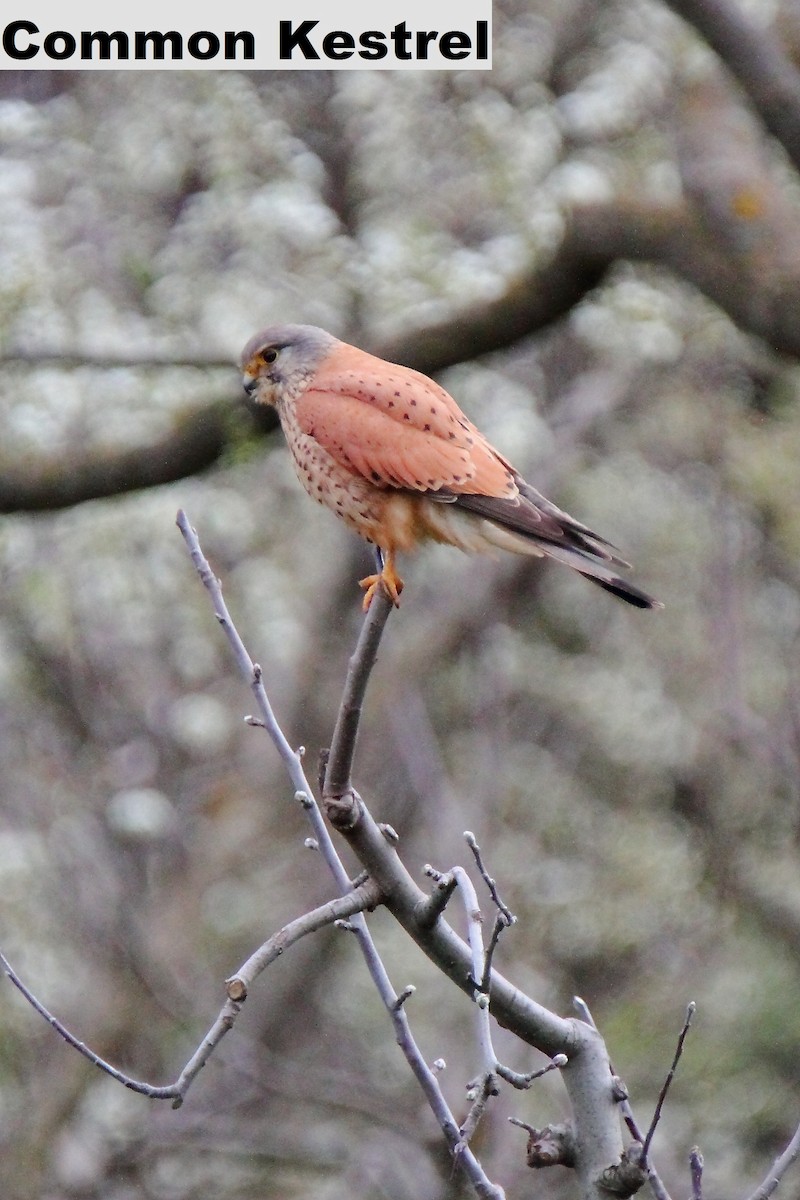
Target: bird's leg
column 387, row 578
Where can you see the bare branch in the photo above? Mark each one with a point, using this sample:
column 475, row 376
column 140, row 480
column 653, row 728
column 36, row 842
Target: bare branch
column 482, row 1092
column 194, row 444
column 252, row 673
column 500, row 925
column 362, row 898
column 674, row 236
column 292, row 760
column 659, row 1190
column 432, row 907
column 237, row 988
column 777, row 1170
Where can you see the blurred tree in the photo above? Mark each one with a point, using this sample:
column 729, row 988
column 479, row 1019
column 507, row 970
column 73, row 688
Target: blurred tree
column 596, row 247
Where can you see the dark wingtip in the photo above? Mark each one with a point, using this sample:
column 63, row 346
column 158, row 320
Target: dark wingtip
column 625, row 591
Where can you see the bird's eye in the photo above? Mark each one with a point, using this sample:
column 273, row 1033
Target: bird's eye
column 270, row 355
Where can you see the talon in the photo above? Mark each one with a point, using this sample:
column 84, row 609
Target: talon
column 388, row 579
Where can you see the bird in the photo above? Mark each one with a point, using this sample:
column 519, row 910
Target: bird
column 390, row 452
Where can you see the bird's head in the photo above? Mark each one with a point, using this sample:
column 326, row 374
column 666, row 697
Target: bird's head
column 279, row 361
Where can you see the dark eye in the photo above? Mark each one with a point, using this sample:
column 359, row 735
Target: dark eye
column 270, row 355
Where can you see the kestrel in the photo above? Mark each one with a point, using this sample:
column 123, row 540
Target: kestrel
column 391, row 453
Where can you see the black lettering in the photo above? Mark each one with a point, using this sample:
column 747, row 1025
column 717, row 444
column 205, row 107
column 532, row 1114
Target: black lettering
column 401, row 37
column 211, row 48
column 104, row 41
column 373, row 45
column 68, row 47
column 338, row 45
column 10, row 40
column 296, row 38
column 482, row 41
column 158, row 41
column 424, row 36
column 248, row 43
column 454, row 45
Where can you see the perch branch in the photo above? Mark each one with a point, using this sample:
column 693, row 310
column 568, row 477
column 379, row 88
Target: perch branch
column 337, row 781
column 587, row 1075
column 292, row 760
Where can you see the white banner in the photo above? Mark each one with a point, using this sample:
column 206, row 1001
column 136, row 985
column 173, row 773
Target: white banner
column 282, row 35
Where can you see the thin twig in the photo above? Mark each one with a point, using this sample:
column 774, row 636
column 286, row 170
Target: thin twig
column 475, row 938
column 491, row 884
column 500, row 925
column 435, row 904
column 253, row 675
column 237, row 988
column 690, row 1011
column 484, row 1089
column 170, row 1092
column 523, row 1082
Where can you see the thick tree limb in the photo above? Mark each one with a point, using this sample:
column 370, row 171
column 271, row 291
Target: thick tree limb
column 676, row 237
column 597, row 235
column 196, row 443
column 757, row 59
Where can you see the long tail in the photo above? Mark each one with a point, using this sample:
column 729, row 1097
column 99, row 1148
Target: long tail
column 535, row 519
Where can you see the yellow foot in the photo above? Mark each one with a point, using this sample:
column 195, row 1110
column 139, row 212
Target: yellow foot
column 388, row 579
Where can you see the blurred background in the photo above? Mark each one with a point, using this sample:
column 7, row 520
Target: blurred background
column 596, row 248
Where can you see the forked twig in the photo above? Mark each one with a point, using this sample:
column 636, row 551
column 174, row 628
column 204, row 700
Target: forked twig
column 237, row 985
column 491, row 884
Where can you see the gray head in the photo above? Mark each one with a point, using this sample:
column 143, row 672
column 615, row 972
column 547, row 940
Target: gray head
column 281, row 359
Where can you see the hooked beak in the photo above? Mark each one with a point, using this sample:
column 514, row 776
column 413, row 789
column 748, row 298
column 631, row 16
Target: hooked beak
column 249, row 383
